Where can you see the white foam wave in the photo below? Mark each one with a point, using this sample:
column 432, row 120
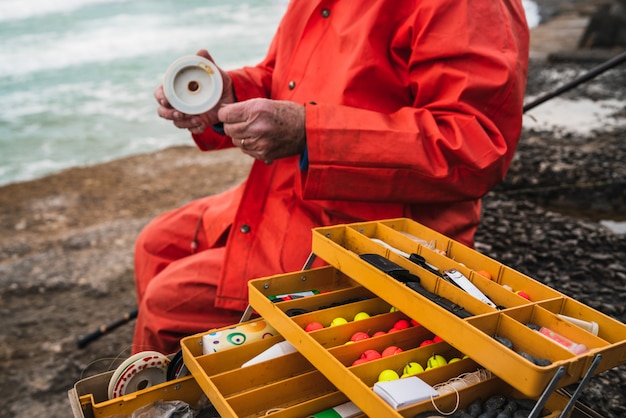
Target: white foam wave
column 23, row 9
column 124, row 36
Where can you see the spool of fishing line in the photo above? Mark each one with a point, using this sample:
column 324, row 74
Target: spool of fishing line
column 193, row 85
column 140, row 371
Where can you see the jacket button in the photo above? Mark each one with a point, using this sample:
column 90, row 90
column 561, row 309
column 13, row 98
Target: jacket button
column 245, row 228
column 292, row 85
column 325, row 12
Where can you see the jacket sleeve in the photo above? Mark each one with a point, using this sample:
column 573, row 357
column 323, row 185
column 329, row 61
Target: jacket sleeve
column 467, row 75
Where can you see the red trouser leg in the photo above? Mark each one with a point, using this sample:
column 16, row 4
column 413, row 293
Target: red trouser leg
column 176, row 286
column 179, row 301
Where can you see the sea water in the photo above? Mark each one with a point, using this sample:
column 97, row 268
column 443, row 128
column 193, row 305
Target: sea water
column 77, row 76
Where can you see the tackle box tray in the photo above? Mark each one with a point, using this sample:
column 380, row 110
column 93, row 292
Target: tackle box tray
column 341, row 247
column 288, row 386
column 292, row 386
column 89, row 398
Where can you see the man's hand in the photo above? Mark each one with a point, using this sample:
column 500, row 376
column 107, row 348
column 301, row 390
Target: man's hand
column 195, row 123
column 265, row 129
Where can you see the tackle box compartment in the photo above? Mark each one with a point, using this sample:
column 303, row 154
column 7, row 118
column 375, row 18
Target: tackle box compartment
column 287, row 386
column 89, row 399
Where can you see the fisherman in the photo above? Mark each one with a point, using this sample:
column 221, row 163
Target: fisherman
column 361, row 110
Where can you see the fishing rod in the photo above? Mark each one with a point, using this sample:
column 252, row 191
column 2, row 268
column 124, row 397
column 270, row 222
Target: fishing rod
column 105, row 329
column 594, row 72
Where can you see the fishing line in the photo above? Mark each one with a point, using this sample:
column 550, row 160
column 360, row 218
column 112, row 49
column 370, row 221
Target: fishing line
column 110, row 366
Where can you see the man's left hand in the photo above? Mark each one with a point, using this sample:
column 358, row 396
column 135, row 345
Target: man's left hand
column 265, row 129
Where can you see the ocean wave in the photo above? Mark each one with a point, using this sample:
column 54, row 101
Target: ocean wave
column 25, row 9
column 125, row 36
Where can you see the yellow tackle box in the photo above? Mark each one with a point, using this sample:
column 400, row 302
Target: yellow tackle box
column 323, row 372
column 288, row 386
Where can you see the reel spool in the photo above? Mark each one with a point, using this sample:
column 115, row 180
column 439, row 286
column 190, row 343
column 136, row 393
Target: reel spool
column 141, row 371
column 193, row 85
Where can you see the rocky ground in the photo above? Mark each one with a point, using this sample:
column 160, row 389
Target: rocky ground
column 66, row 243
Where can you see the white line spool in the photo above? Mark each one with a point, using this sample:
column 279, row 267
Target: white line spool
column 193, row 85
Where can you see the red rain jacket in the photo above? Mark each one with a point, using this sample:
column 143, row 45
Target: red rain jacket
column 413, row 109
